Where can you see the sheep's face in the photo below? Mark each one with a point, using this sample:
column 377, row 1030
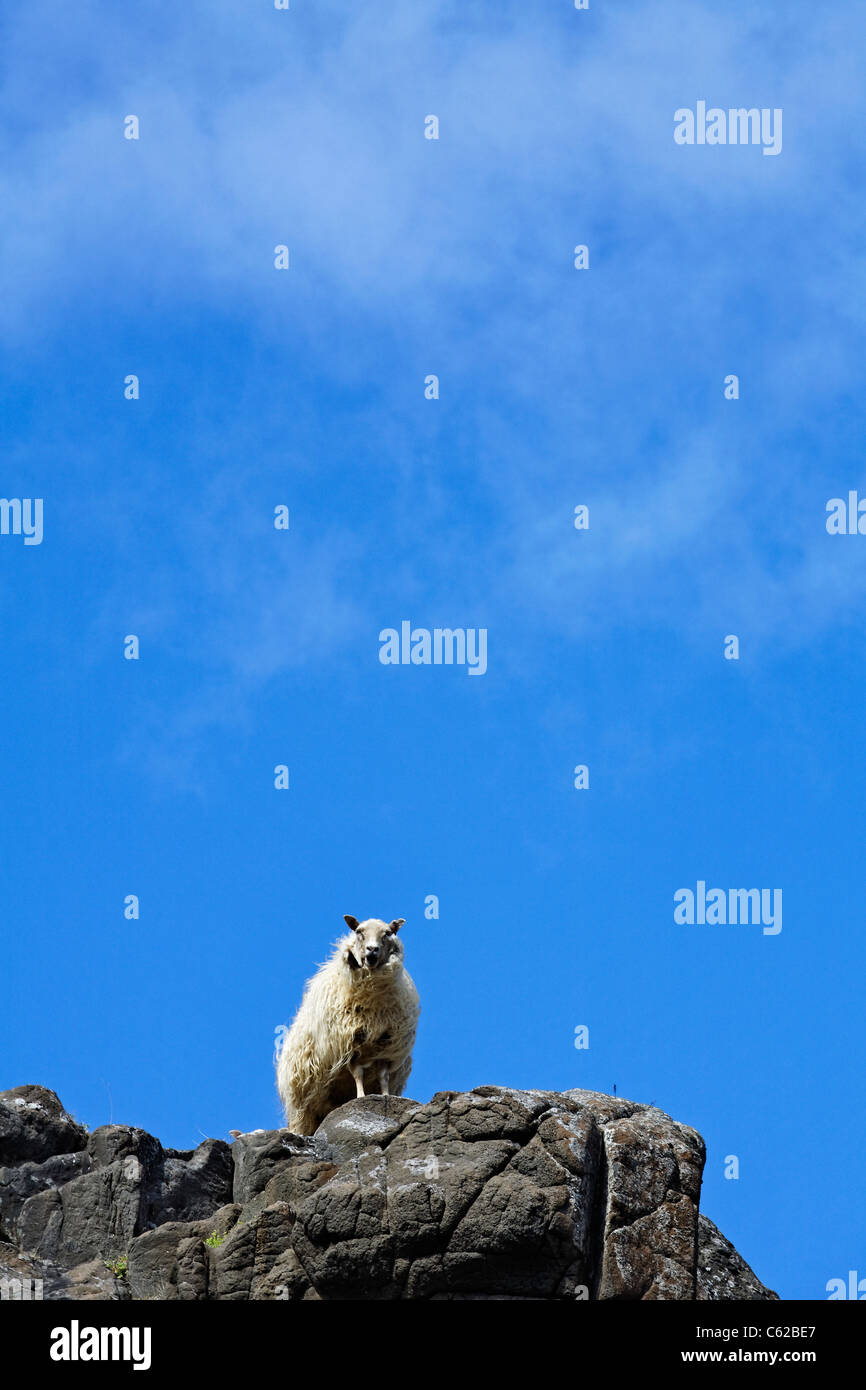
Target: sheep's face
column 375, row 943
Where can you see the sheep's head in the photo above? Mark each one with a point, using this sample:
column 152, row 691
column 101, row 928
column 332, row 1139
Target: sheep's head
column 374, row 943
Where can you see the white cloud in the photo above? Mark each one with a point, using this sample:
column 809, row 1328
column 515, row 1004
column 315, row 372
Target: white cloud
column 450, row 252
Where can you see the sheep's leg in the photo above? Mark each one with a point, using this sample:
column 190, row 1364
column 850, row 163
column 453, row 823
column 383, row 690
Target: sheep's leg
column 357, row 1070
column 303, row 1121
column 384, row 1077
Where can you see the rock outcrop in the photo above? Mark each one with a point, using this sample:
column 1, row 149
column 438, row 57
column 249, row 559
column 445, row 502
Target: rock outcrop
column 487, row 1194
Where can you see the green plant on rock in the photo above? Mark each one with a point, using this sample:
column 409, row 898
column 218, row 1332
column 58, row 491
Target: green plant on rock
column 118, row 1267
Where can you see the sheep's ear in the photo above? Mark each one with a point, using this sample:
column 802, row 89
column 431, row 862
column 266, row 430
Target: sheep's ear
column 351, row 922
column 397, row 924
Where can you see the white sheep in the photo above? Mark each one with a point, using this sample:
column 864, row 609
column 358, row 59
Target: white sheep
column 354, row 1031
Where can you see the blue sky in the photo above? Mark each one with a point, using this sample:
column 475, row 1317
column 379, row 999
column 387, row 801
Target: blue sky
column 605, row 647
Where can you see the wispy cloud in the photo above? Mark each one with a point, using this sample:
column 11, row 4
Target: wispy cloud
column 411, row 256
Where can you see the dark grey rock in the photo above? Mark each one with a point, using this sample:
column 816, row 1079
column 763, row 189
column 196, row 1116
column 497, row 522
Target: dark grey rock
column 109, row 1143
column 188, row 1186
column 22, row 1181
column 133, row 1187
column 90, row 1217
column 371, row 1120
column 30, row 1278
column 172, row 1261
column 494, row 1193
column 653, row 1184
column 722, row 1272
column 258, row 1155
column 34, row 1126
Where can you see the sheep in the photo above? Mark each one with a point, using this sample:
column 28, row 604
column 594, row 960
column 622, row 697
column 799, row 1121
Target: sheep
column 354, row 1031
